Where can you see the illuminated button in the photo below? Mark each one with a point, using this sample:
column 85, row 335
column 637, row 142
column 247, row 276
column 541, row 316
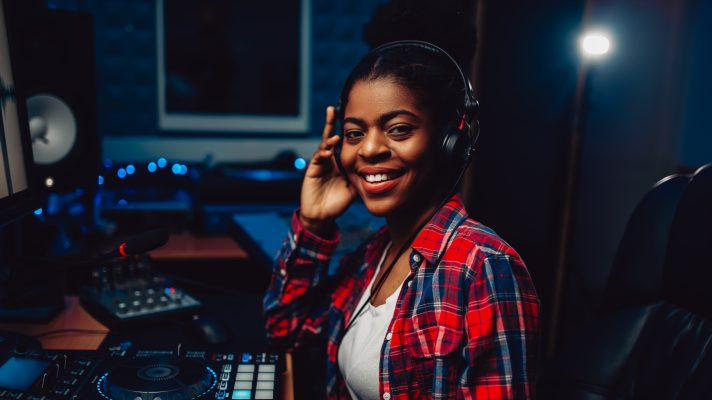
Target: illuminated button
column 241, row 394
column 230, row 357
column 246, row 368
column 225, row 376
column 263, row 394
column 245, row 357
column 223, row 385
column 266, row 368
column 265, row 385
column 244, row 385
column 265, row 376
column 221, row 395
column 227, row 367
column 243, row 376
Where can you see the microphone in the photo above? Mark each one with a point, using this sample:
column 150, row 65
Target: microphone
column 138, row 244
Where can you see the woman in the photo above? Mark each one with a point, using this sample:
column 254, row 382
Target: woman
column 434, row 304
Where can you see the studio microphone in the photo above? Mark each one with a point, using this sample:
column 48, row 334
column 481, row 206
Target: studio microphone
column 138, row 244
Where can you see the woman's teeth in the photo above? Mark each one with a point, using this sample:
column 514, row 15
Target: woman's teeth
column 376, row 178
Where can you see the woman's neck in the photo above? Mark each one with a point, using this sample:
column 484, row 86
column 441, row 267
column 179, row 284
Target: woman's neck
column 402, row 226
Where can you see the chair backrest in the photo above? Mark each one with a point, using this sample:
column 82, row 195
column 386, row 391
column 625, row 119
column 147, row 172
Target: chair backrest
column 636, row 276
column 688, row 262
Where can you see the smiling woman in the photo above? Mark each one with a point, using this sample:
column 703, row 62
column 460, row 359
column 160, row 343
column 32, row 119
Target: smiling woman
column 434, row 305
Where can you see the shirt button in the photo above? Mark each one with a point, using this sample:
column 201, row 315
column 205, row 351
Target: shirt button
column 416, row 258
column 389, row 335
column 409, row 282
column 386, row 396
column 283, row 272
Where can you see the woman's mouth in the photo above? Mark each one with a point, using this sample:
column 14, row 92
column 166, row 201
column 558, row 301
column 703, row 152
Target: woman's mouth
column 377, row 183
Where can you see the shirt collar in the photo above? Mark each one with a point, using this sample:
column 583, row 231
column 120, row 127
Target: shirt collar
column 433, row 238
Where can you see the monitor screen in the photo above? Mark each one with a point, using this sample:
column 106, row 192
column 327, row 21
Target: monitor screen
column 233, row 84
column 214, row 75
column 15, row 150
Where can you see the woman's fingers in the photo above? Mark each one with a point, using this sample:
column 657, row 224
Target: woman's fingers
column 329, row 124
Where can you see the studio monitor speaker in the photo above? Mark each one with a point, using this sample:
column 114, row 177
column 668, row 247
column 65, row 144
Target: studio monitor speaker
column 55, row 59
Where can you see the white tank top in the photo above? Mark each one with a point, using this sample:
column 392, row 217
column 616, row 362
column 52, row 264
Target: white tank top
column 360, row 350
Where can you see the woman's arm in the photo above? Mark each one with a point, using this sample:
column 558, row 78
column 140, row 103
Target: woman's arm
column 297, row 299
column 502, row 332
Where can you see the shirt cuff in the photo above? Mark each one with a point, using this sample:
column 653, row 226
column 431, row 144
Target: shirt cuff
column 299, row 235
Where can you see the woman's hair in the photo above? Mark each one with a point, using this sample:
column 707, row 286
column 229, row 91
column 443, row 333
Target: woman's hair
column 429, row 74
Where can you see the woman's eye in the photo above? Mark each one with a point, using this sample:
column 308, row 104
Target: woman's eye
column 400, row 130
column 353, row 134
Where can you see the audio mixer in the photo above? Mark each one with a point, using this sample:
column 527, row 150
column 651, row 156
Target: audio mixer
column 128, row 292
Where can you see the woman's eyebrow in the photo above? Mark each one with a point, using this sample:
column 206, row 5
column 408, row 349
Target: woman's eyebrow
column 383, row 119
column 354, row 120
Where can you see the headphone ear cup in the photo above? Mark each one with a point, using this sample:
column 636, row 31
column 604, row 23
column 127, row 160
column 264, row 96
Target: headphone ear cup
column 454, row 146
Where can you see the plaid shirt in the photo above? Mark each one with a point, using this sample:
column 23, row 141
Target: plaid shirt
column 466, row 323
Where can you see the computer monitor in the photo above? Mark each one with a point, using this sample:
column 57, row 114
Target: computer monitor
column 17, row 193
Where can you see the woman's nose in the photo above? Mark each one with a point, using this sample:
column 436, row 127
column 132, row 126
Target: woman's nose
column 374, row 146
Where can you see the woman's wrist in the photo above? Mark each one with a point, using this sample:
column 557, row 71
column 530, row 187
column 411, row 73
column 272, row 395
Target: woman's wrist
column 320, row 227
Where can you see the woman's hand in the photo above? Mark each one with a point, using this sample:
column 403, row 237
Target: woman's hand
column 326, row 193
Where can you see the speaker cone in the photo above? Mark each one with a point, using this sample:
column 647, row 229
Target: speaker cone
column 53, row 128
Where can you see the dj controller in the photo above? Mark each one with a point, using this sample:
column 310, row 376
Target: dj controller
column 124, row 373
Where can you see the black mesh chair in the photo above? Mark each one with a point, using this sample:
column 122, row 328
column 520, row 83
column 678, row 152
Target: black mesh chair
column 653, row 339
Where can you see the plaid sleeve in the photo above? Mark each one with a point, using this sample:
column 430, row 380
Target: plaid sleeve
column 294, row 304
column 502, row 326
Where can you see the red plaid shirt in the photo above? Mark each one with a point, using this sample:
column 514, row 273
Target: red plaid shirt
column 466, row 323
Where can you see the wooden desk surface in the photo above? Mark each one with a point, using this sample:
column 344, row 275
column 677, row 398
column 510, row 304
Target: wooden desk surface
column 72, row 317
column 185, row 246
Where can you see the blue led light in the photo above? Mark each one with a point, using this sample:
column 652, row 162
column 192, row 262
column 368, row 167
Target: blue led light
column 152, row 167
column 123, row 202
column 300, row 163
column 38, row 211
column 130, row 169
column 162, row 162
column 101, row 180
column 100, row 386
column 183, row 170
column 121, row 173
column 175, row 169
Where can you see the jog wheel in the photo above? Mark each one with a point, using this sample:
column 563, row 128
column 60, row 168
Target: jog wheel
column 157, row 378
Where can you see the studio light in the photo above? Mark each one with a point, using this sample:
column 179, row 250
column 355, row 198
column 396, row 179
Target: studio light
column 595, row 44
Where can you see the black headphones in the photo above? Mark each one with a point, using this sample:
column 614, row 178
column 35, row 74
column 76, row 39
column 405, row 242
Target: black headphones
column 458, row 137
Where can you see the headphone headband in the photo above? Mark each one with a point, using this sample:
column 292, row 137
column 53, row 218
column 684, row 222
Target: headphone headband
column 471, row 105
